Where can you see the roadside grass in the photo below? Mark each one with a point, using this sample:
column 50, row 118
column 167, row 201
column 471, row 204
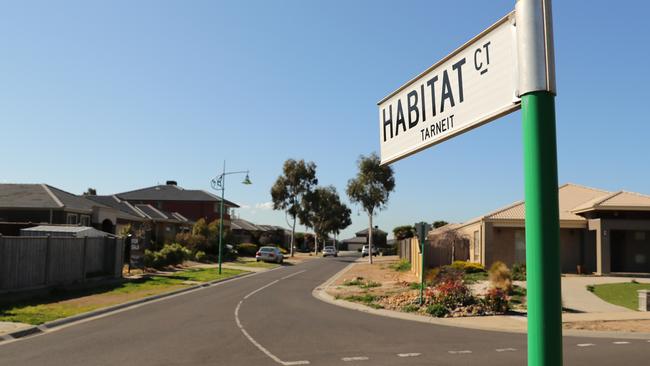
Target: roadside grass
column 402, row 266
column 366, row 299
column 361, row 283
column 60, row 303
column 621, row 294
column 253, row 263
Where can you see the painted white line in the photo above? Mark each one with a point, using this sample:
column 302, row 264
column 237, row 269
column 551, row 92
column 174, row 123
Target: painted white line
column 256, row 343
column 505, row 349
column 408, row 354
column 463, row 352
column 585, row 344
column 260, row 289
column 621, row 342
column 355, row 358
column 294, row 274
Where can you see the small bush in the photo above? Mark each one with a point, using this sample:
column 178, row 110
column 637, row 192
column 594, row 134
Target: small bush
column 468, row 267
column 355, row 282
column 365, row 298
column 496, row 301
column 437, row 310
column 370, row 284
column 246, row 249
column 452, row 294
column 414, row 285
column 591, row 288
column 410, row 308
column 500, row 276
column 448, row 274
column 199, row 256
column 170, row 254
column 519, row 272
column 402, row 266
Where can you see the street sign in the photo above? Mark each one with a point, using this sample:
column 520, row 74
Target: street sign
column 472, row 86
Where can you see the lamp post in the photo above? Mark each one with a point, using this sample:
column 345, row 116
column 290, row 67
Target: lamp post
column 219, row 183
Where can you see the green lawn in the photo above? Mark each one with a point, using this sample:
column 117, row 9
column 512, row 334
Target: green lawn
column 64, row 303
column 622, row 294
column 253, row 263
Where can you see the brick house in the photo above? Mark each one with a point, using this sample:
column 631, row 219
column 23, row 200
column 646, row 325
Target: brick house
column 193, row 204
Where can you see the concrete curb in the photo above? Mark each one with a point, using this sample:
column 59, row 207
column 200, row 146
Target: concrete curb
column 83, row 316
column 321, row 294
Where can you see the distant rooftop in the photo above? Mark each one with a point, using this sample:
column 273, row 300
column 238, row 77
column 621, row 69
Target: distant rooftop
column 171, row 192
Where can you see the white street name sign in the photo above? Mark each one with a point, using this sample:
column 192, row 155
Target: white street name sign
column 472, row 86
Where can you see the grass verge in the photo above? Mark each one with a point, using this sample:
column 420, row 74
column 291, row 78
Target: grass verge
column 621, row 294
column 60, row 303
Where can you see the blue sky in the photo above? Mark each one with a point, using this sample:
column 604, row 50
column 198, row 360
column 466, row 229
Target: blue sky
column 124, row 94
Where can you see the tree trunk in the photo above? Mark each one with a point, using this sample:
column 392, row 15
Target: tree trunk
column 370, row 238
column 315, row 244
column 293, row 235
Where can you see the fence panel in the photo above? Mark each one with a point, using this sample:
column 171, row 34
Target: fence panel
column 27, row 262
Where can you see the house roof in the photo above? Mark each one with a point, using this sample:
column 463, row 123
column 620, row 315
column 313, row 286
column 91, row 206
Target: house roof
column 574, row 199
column 356, row 240
column 78, row 231
column 171, row 192
column 241, row 224
column 374, row 231
column 125, row 210
column 43, row 196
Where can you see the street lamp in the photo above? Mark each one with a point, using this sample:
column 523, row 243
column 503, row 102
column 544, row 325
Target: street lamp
column 219, row 183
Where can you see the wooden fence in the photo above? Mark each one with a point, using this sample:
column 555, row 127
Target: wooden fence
column 35, row 262
column 436, row 253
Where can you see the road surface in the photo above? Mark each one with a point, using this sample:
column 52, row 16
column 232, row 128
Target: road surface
column 272, row 319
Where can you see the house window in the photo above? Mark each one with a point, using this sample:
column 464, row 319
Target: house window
column 85, row 220
column 71, row 219
column 477, row 246
column 520, row 246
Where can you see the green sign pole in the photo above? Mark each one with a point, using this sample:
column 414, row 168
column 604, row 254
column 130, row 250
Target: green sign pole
column 542, row 230
column 536, row 87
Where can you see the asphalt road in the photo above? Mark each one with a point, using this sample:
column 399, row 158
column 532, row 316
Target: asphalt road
column 272, row 318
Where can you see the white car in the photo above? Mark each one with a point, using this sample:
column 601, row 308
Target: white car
column 364, row 251
column 330, row 251
column 269, row 254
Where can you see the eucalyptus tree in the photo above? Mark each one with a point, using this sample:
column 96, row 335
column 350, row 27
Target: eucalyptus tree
column 298, row 179
column 371, row 188
column 323, row 211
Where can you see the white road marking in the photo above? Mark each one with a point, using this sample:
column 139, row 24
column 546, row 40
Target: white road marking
column 294, row 274
column 585, row 344
column 260, row 289
column 408, row 354
column 463, row 352
column 356, row 358
column 505, row 349
column 253, row 341
column 621, row 342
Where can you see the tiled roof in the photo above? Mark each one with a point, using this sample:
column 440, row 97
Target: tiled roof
column 125, row 210
column 374, row 231
column 171, row 193
column 573, row 199
column 43, row 196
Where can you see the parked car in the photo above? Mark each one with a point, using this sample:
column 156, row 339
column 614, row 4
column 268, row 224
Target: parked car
column 269, row 254
column 330, row 251
column 364, row 251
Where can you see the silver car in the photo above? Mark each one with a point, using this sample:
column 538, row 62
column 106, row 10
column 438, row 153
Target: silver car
column 330, row 251
column 269, row 254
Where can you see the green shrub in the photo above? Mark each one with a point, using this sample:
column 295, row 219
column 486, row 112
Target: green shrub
column 496, row 301
column 170, row 254
column 468, row 267
column 437, row 310
column 355, row 282
column 414, row 285
column 246, row 249
column 519, row 271
column 591, row 288
column 410, row 308
column 500, row 276
column 199, row 256
column 402, row 266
